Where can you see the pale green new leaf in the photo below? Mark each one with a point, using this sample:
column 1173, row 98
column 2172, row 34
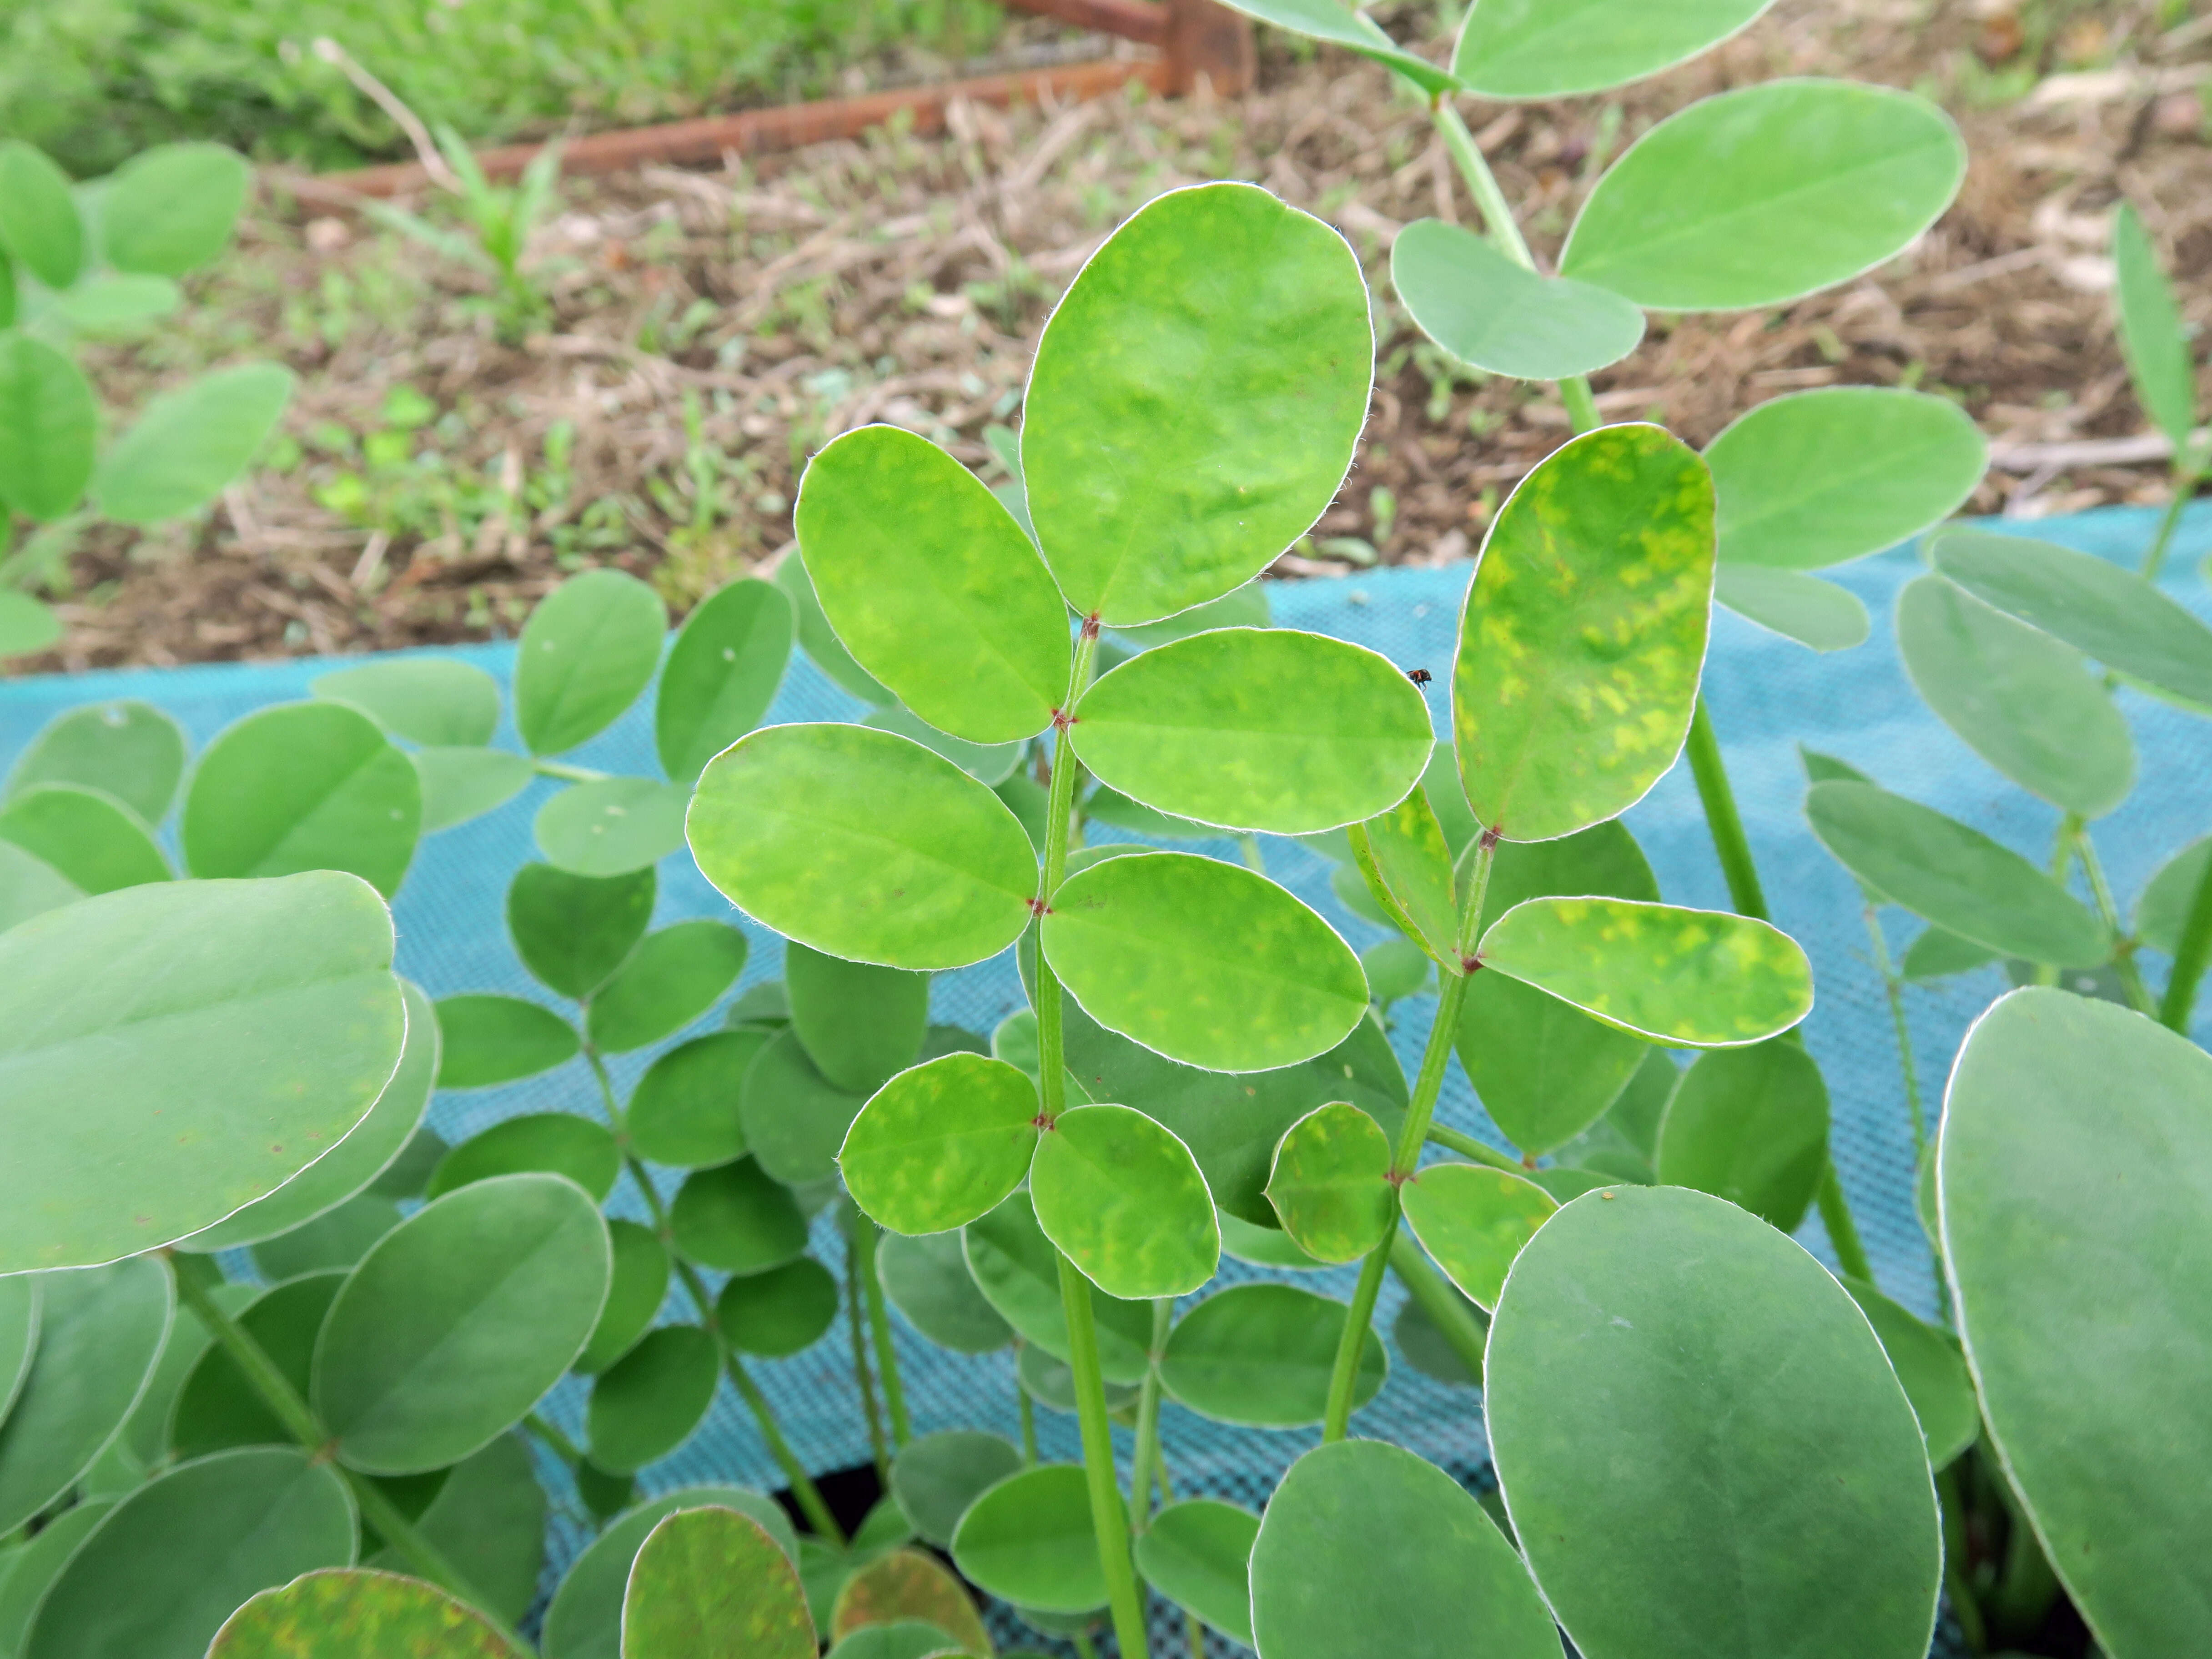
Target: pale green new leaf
column 1474, row 1220
column 1122, row 1199
column 187, row 444
column 49, row 421
column 721, row 674
column 132, row 750
column 587, row 650
column 1341, row 26
column 434, row 701
column 1494, row 314
column 942, row 1145
column 1817, row 614
column 2159, row 361
column 39, row 222
column 168, row 210
column 1330, row 1183
column 1551, row 48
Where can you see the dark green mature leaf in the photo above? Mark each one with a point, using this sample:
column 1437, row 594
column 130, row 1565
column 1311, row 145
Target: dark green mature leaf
column 1492, row 312
column 167, row 1566
column 935, row 1478
column 2151, row 333
column 1030, row 1539
column 458, row 1321
column 304, row 786
column 91, row 838
column 1953, row 876
column 550, row 1143
column 438, row 701
column 2163, row 909
column 1817, row 614
column 647, row 1403
column 673, row 976
column 1017, row 1270
column 1123, row 1199
column 1474, row 1220
column 39, row 222
column 1583, row 632
column 168, row 210
column 463, row 783
column 1659, row 1352
column 336, row 1239
column 1932, row 1369
column 170, row 1052
column 636, row 1290
column 572, row 931
column 1195, row 400
column 1751, row 1126
column 217, row 1406
column 19, row 1339
column 26, row 1573
column 100, row 1331
column 1366, row 1548
column 130, row 750
column 860, row 1025
column 711, row 1583
column 864, row 846
column 2111, row 614
column 1693, row 979
column 612, row 825
column 780, row 1312
column 2077, row 1238
column 1197, row 1553
column 684, row 1112
column 941, row 1144
column 491, row 1039
column 819, row 641
column 488, row 1519
column 187, row 444
column 1762, row 194
column 1205, row 962
column 735, row 1219
column 1342, row 26
column 1535, row 49
column 354, row 1614
column 905, row 1639
column 1817, row 477
column 1331, row 1184
column 1260, row 1354
column 1257, row 728
column 794, row 1119
column 907, row 1585
column 49, row 421
column 587, row 650
column 586, row 1618
column 2023, row 702
column 721, row 675
column 933, row 586
column 927, row 1280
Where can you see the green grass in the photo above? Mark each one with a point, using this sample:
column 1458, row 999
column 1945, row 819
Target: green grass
column 94, row 81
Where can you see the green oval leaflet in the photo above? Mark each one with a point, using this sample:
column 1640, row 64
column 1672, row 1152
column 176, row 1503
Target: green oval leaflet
column 1123, row 1199
column 304, row 786
column 1474, row 1220
column 1257, row 728
column 2163, row 906
column 553, row 1143
column 338, row 1238
column 863, row 845
column 711, row 1583
column 2075, row 1237
column 1050, row 1381
column 1610, row 540
column 1197, row 1553
column 2023, row 702
column 464, row 783
column 1263, row 1247
column 904, row 1638
column 1817, row 614
column 780, row 1312
column 48, row 424
column 1017, row 1270
column 736, row 1218
column 107, row 302
column 1938, row 952
column 572, row 931
column 1331, row 1184
column 495, row 1039
column 488, row 1518
column 645, row 1404
column 129, row 750
column 1932, row 1369
column 39, row 222
column 170, row 209
column 281, row 1025
column 217, row 1408
column 1760, row 195
column 1203, row 962
column 1660, row 1349
column 351, row 1613
column 935, row 1477
column 675, row 974
column 1396, row 968
column 433, row 701
column 1528, row 49
column 933, row 586
column 587, row 650
column 30, row 886
column 1403, row 853
column 19, row 1338
column 1424, row 1345
column 721, row 674
column 1953, row 876
column 684, row 1112
column 927, row 1280
column 1817, row 477
column 2159, row 356
column 1365, row 1547
column 941, row 1144
column 2093, row 605
column 1695, row 979
column 988, row 763
column 817, row 640
column 860, row 1025
column 25, row 1575
column 906, row 1585
column 456, row 1321
column 1030, row 1539
column 101, row 1333
column 1492, row 312
column 1751, row 1126
column 187, row 444
column 793, row 1119
column 637, row 1285
column 1197, row 395
column 1341, row 26
column 166, row 1567
column 612, row 826
column 585, row 1620
column 91, row 838
column 1260, row 1354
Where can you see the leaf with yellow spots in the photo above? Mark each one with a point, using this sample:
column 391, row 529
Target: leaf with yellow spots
column 1699, row 979
column 351, row 1613
column 1583, row 634
column 710, row 1584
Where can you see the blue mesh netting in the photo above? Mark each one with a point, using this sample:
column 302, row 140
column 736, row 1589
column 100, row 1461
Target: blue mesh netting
column 1767, row 695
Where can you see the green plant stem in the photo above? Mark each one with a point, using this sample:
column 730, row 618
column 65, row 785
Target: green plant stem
column 863, row 1379
column 1965, row 1606
column 2131, row 978
column 1148, row 1422
column 2026, row 1586
column 555, row 1442
column 299, row 1421
column 2188, row 468
column 2191, row 951
column 1446, row 1308
column 866, row 1234
column 1248, row 848
column 1026, row 1408
column 1893, row 987
column 1083, row 1647
column 1344, row 1373
column 2062, row 864
column 546, row 769
column 1468, row 1146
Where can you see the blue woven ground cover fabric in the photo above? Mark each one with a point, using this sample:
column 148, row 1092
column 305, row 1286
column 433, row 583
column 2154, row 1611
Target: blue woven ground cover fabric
column 1767, row 695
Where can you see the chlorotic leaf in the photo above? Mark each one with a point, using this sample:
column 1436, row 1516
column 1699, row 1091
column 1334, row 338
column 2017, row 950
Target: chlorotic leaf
column 350, row 1612
column 909, row 1585
column 585, row 1620
column 1474, row 1220
column 1493, row 313
column 1404, row 856
column 711, row 1583
column 941, row 1144
column 1122, row 1199
column 819, row 641
column 1331, row 1184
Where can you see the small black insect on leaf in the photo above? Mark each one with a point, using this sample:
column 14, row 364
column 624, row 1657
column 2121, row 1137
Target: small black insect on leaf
column 1418, row 675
